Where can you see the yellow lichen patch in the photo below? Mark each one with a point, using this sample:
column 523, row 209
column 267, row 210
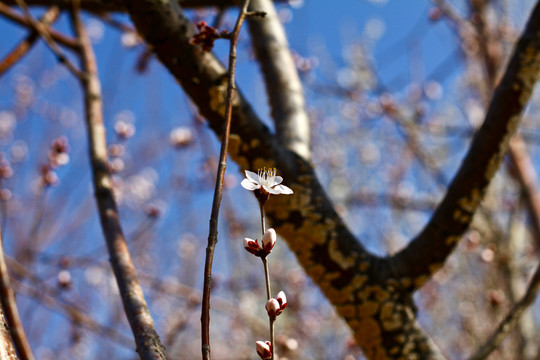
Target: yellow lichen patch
column 469, row 203
column 335, row 296
column 234, row 144
column 316, row 272
column 343, row 261
column 419, row 281
column 406, row 282
column 390, row 319
column 254, row 143
column 451, row 240
column 373, row 291
column 217, row 99
column 369, row 308
column 347, row 311
column 435, row 267
column 363, row 266
column 380, row 294
column 493, row 166
column 368, row 334
column 408, row 347
column 358, row 281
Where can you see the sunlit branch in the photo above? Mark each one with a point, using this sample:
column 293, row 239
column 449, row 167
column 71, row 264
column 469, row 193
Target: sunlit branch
column 9, row 305
column 142, row 325
column 283, row 86
column 7, row 350
column 24, row 46
column 218, row 191
column 427, row 252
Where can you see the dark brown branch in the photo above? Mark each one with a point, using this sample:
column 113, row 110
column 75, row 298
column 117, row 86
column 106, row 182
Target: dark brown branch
column 428, row 251
column 24, row 46
column 347, row 274
column 60, row 38
column 9, row 306
column 283, row 85
column 142, row 325
column 46, row 36
column 218, row 191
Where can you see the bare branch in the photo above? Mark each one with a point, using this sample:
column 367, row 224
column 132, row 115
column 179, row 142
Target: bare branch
column 218, row 191
column 44, row 33
column 142, row 325
column 510, row 320
column 427, row 252
column 282, row 82
column 60, row 38
column 24, row 46
column 9, row 305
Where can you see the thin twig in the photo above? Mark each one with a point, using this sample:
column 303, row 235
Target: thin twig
column 9, row 305
column 510, row 320
column 60, row 38
column 142, row 325
column 268, row 296
column 263, row 224
column 24, row 46
column 218, row 191
column 44, row 33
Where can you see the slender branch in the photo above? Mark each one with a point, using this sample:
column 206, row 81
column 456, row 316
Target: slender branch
column 60, row 38
column 44, row 33
column 9, row 305
column 49, row 298
column 428, row 251
column 283, row 85
column 511, row 319
column 24, row 46
column 218, row 191
column 263, row 221
column 142, row 325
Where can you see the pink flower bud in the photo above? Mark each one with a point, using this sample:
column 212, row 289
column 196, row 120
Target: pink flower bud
column 253, row 246
column 273, row 308
column 282, row 299
column 269, row 240
column 264, row 349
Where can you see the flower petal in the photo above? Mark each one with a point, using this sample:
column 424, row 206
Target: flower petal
column 282, row 189
column 277, row 180
column 249, row 185
column 252, row 176
column 272, row 190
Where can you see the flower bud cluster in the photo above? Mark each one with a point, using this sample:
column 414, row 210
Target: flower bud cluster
column 206, row 36
column 58, row 156
column 268, row 242
column 275, row 306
